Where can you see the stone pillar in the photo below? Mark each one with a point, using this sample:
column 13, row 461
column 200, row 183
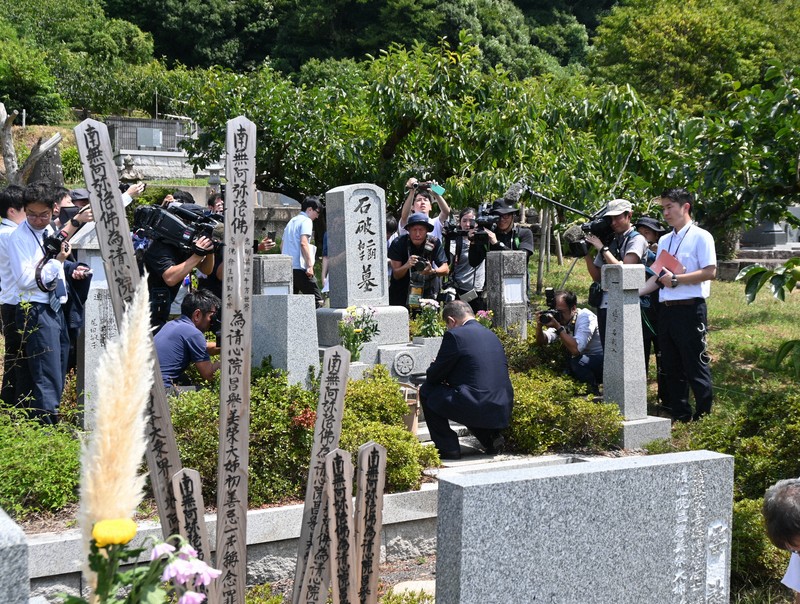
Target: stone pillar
column 272, row 274
column 624, row 375
column 506, row 283
column 356, row 217
column 14, row 583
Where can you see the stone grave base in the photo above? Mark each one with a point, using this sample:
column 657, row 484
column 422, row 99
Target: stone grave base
column 637, row 432
column 392, row 323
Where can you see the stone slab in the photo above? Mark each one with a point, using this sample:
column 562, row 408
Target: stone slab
column 356, row 217
column 506, row 290
column 638, row 432
column 629, row 530
column 284, row 327
column 392, row 323
column 13, row 562
column 272, row 274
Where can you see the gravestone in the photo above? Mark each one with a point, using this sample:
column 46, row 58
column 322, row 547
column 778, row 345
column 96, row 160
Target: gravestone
column 369, row 519
column 506, row 290
column 627, row 531
column 356, row 216
column 234, row 426
column 48, row 168
column 339, row 487
column 122, row 274
column 624, row 376
column 284, row 324
column 14, row 583
column 357, row 269
column 327, row 428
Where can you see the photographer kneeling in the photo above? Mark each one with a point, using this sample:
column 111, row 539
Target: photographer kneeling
column 578, row 332
column 418, row 260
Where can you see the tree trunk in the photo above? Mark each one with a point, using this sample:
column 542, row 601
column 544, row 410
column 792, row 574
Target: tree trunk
column 7, row 145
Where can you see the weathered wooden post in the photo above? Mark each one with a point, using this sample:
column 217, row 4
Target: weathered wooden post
column 234, row 426
column 339, row 491
column 369, row 519
column 122, row 275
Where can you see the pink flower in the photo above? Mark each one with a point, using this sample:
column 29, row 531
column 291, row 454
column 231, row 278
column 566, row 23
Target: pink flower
column 192, row 597
column 180, row 570
column 204, row 573
column 187, row 551
column 161, row 549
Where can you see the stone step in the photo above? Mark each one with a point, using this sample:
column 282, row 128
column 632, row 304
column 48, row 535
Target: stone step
column 728, row 269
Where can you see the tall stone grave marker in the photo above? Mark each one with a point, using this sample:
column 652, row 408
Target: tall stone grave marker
column 328, row 427
column 234, row 428
column 14, row 582
column 506, row 290
column 339, row 487
column 627, row 531
column 369, row 519
column 357, row 246
column 624, row 376
column 122, row 274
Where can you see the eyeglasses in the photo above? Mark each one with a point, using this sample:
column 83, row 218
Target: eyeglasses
column 42, row 216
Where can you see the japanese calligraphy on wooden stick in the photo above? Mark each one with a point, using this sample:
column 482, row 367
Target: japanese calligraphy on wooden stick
column 122, row 275
column 339, row 487
column 234, row 428
column 328, row 427
column 369, row 519
column 187, row 487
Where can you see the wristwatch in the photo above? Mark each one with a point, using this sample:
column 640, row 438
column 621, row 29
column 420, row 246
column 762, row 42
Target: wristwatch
column 560, row 330
column 674, row 281
column 74, row 223
column 604, row 249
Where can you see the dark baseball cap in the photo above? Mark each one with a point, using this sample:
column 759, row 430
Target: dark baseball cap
column 79, row 194
column 501, row 206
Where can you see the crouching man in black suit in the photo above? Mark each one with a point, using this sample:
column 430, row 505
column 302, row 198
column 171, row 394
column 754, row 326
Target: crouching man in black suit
column 468, row 383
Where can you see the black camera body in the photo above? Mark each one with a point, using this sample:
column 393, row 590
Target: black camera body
column 422, row 186
column 549, row 316
column 52, row 244
column 179, row 226
column 600, row 228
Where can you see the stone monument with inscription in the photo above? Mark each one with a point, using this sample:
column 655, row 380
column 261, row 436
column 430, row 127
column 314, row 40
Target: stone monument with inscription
column 624, row 376
column 506, row 290
column 627, row 531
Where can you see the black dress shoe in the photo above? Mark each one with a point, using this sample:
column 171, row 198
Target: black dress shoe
column 450, row 455
column 498, row 445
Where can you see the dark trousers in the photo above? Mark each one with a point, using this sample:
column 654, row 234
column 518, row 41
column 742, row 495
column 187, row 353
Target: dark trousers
column 45, row 343
column 442, row 435
column 303, row 284
column 684, row 359
column 11, row 358
column 587, row 369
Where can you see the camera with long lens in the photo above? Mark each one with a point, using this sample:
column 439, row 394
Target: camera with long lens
column 599, row 227
column 549, row 316
column 179, row 226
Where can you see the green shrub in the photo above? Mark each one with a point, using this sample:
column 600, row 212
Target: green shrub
column 40, row 466
column 281, row 430
column 407, row 597
column 71, row 165
column 753, row 558
column 262, row 594
column 525, row 355
column 549, row 414
column 377, row 398
column 406, row 457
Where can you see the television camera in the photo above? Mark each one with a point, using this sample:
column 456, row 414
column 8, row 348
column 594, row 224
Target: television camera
column 180, row 226
column 598, row 225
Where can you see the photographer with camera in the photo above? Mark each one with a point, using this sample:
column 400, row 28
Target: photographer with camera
column 469, row 274
column 182, row 341
column 576, row 329
column 626, row 246
column 37, row 261
column 418, row 260
column 420, row 197
column 168, row 263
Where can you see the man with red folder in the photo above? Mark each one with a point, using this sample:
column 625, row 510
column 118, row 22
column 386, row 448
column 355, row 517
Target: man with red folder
column 686, row 262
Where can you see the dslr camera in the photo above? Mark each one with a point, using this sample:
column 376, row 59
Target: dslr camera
column 549, row 316
column 179, row 226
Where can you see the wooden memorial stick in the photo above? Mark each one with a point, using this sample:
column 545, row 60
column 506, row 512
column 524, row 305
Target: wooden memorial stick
column 328, row 427
column 122, row 275
column 188, row 491
column 234, row 426
column 339, row 487
column 369, row 519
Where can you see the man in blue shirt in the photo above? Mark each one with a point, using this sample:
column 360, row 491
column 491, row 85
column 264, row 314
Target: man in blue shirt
column 297, row 244
column 182, row 341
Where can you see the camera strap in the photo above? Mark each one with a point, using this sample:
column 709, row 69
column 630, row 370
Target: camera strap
column 46, row 288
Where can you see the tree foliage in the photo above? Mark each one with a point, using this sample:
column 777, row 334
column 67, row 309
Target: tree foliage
column 677, row 52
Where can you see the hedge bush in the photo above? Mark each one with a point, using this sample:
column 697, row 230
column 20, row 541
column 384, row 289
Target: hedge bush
column 549, row 414
column 376, row 398
column 40, row 466
column 754, row 559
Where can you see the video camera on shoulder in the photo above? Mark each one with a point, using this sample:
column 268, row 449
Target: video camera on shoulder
column 179, row 225
column 600, row 227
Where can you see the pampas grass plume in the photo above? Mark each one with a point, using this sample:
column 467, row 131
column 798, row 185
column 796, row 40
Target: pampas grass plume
column 111, row 486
